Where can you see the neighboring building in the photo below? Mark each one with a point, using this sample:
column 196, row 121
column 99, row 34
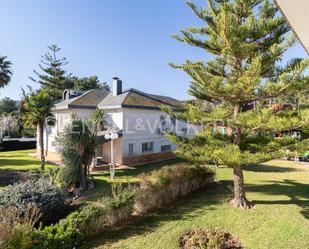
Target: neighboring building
column 296, row 13
column 136, row 116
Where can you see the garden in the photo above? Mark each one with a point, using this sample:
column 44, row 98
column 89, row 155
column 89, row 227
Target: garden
column 109, row 216
column 231, row 187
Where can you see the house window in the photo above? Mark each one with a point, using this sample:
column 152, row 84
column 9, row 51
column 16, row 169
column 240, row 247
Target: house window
column 167, row 147
column 131, row 149
column 147, row 147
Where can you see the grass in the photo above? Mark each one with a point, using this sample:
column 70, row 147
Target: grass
column 280, row 218
column 20, row 161
column 103, row 183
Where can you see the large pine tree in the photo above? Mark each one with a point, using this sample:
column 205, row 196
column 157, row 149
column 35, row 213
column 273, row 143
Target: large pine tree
column 52, row 77
column 245, row 41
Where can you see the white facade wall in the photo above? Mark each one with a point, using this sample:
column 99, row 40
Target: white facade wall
column 142, row 126
column 139, row 126
column 62, row 117
column 114, row 118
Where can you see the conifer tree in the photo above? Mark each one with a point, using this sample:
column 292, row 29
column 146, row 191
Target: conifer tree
column 53, row 77
column 245, row 41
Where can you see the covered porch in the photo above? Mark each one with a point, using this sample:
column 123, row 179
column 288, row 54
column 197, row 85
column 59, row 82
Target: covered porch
column 103, row 151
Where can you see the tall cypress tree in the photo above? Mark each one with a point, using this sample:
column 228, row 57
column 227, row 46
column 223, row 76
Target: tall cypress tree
column 52, row 77
column 246, row 39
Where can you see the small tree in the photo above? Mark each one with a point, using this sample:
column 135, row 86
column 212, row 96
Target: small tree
column 98, row 123
column 53, row 76
column 97, row 120
column 76, row 145
column 246, row 39
column 5, row 71
column 36, row 109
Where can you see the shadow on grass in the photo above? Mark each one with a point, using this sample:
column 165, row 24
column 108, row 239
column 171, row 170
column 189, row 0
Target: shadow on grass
column 188, row 208
column 297, row 192
column 269, row 168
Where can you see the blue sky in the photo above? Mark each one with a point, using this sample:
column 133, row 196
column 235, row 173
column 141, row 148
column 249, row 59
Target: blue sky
column 126, row 38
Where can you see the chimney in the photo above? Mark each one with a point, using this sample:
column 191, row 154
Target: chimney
column 117, row 86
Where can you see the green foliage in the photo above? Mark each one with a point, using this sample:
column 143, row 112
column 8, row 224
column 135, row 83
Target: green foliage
column 163, row 186
column 20, row 238
column 77, row 147
column 86, row 83
column 8, row 105
column 85, row 223
column 37, row 108
column 69, row 232
column 5, row 71
column 53, row 77
column 121, row 196
column 97, row 120
column 45, row 195
column 92, row 219
column 246, row 41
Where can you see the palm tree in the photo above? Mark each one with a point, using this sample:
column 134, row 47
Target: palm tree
column 97, row 120
column 37, row 109
column 76, row 145
column 5, row 71
column 98, row 124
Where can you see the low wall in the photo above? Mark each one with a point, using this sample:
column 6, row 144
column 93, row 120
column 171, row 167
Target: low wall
column 147, row 158
column 10, row 145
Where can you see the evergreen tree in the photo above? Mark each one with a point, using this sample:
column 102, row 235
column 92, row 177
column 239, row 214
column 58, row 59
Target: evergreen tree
column 246, row 40
column 53, row 77
column 86, row 83
column 8, row 105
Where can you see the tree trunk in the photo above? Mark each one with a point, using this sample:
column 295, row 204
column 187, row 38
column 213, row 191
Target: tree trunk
column 83, row 176
column 41, row 142
column 240, row 200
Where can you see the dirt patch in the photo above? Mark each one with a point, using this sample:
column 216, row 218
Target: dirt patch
column 8, row 177
column 210, row 239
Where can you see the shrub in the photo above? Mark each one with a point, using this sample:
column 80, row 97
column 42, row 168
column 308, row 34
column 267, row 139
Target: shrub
column 69, row 232
column 157, row 188
column 10, row 220
column 42, row 192
column 208, row 239
column 20, row 238
column 119, row 206
column 168, row 184
column 87, row 222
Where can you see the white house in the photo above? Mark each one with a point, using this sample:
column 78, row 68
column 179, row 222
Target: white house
column 137, row 117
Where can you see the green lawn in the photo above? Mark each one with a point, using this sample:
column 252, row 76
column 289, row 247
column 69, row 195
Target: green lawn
column 103, row 183
column 280, row 218
column 20, row 161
